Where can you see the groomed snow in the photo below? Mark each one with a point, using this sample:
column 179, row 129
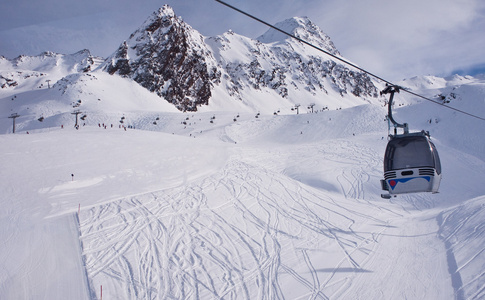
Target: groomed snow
column 237, row 208
column 231, row 202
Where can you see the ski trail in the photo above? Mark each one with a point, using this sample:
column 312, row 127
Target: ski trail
column 233, row 235
column 89, row 287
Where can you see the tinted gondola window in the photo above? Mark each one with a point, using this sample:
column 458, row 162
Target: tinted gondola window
column 437, row 162
column 408, row 152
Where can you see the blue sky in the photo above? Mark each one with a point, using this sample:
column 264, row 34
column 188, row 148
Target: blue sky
column 394, row 39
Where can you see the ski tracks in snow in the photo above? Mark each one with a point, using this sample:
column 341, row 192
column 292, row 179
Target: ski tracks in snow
column 244, row 233
column 463, row 231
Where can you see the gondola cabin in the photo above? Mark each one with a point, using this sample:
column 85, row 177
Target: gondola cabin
column 411, row 165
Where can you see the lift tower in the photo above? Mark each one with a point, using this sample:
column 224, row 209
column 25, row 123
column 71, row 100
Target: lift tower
column 14, row 116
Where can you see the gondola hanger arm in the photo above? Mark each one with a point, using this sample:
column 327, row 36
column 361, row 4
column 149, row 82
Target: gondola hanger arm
column 391, row 89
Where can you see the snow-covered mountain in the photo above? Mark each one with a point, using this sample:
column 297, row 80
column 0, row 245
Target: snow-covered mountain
column 302, row 28
column 166, row 61
column 45, row 69
column 434, row 82
column 170, row 58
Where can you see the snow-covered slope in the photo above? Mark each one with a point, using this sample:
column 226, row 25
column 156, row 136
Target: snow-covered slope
column 238, row 205
column 35, row 72
column 99, row 97
column 462, row 93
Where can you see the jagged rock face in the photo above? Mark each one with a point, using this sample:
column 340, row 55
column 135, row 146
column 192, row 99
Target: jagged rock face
column 314, row 70
column 168, row 57
column 278, row 64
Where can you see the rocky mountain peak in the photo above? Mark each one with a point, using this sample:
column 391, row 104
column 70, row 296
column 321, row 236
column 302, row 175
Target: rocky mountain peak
column 163, row 18
column 168, row 57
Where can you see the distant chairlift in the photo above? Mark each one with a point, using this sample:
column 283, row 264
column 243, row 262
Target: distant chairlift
column 411, row 161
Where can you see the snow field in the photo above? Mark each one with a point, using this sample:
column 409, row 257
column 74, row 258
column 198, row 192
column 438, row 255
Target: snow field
column 283, row 206
column 40, row 198
column 241, row 233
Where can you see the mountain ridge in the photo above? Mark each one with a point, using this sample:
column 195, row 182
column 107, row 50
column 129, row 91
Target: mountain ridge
column 172, row 61
column 170, row 58
column 302, row 28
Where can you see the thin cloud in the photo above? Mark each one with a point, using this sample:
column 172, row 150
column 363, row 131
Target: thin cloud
column 405, row 38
